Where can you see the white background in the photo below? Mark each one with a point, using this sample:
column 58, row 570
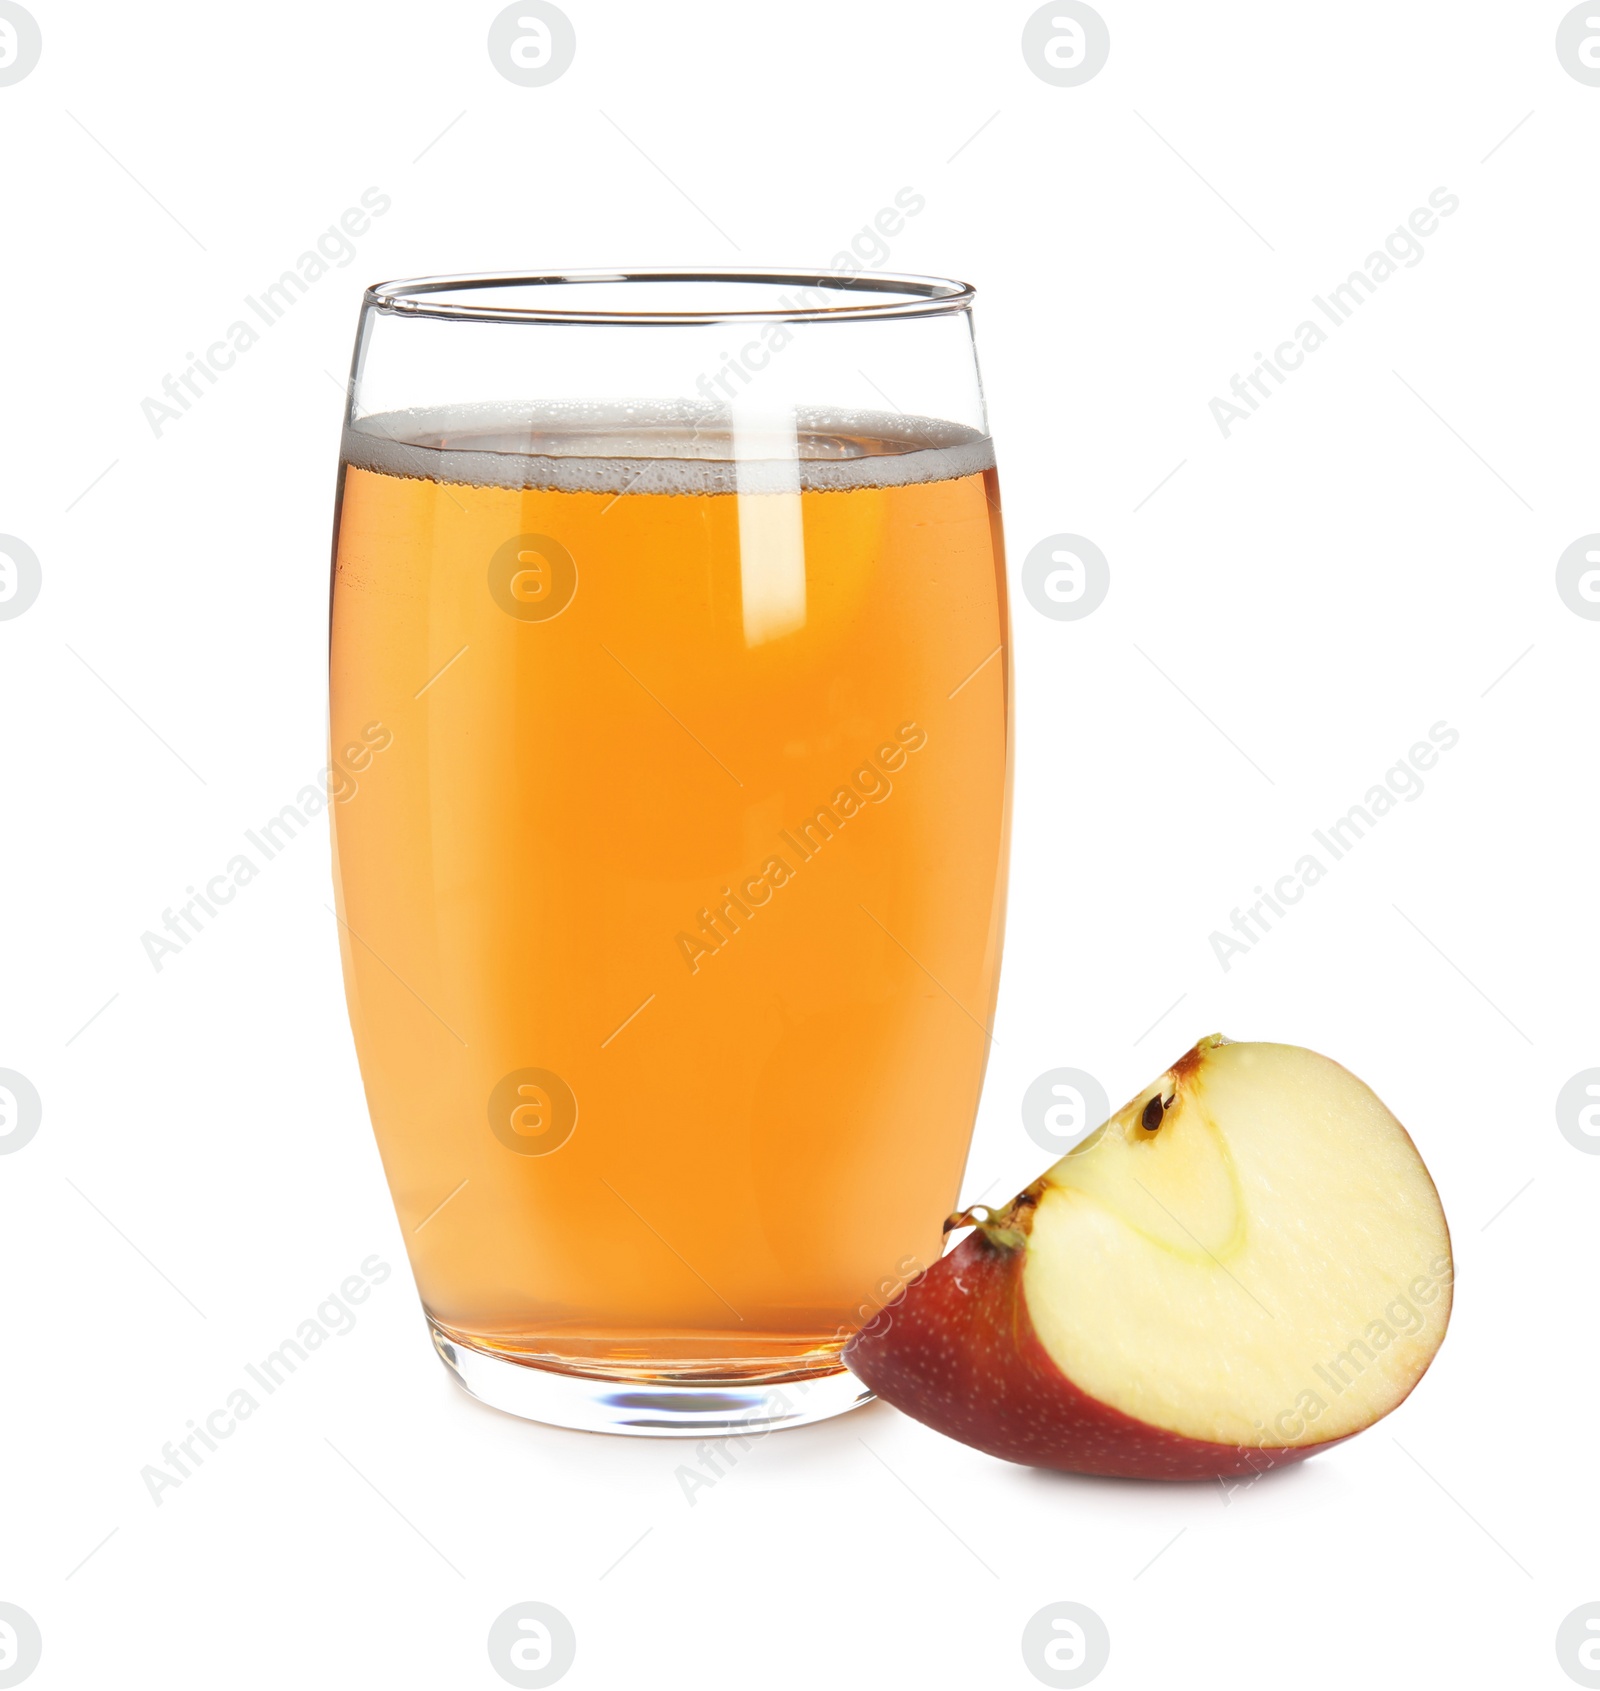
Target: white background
column 1342, row 572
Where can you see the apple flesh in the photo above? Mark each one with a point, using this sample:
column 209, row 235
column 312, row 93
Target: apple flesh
column 1243, row 1266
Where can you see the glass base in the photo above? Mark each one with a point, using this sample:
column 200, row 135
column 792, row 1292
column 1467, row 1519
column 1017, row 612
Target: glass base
column 647, row 1409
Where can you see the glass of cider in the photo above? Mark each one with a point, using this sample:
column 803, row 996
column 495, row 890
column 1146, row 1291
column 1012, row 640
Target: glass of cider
column 670, row 668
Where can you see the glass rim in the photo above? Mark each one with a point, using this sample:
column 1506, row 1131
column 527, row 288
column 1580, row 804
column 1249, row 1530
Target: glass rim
column 912, row 296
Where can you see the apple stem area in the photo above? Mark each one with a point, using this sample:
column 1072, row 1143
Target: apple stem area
column 1006, row 1229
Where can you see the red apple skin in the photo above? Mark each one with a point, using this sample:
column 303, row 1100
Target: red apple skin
column 958, row 1352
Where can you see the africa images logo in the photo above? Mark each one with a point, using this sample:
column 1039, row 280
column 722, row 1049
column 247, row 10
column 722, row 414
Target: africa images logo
column 867, row 786
column 20, row 43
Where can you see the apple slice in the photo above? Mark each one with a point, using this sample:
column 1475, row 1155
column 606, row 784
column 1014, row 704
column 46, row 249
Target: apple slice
column 1246, row 1264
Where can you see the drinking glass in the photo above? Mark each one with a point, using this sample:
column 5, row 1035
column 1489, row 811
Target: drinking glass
column 670, row 726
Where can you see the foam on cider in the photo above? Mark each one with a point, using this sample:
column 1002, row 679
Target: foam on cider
column 653, row 448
